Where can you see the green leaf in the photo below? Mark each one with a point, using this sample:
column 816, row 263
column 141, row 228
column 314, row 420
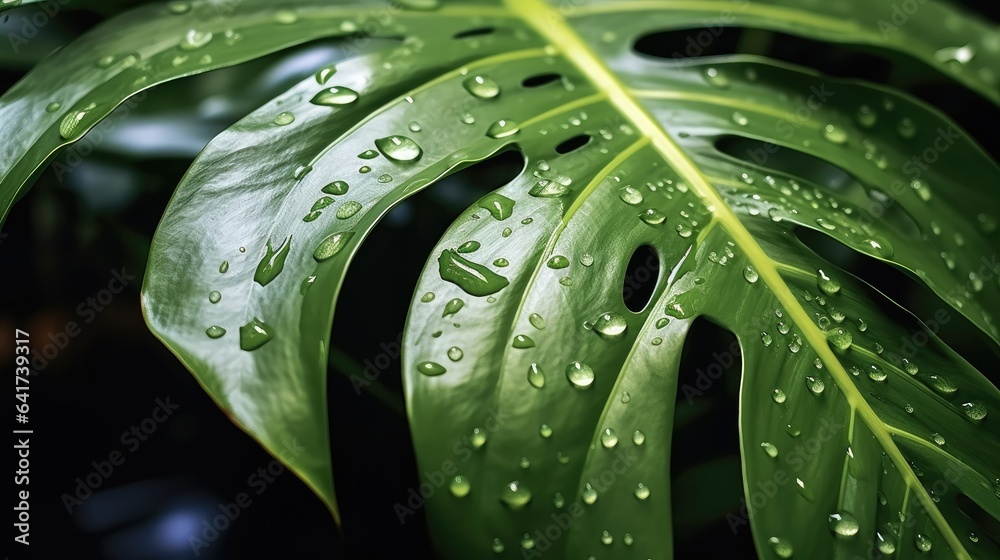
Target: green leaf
column 527, row 326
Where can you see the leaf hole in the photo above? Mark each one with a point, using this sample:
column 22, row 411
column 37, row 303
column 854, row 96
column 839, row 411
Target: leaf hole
column 540, row 80
column 641, row 275
column 477, row 32
column 707, row 410
column 574, row 143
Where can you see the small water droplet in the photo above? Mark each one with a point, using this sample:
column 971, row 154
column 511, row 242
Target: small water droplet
column 71, row 124
column 923, row 542
column 536, row 321
column 194, row 40
column 546, row 432
column 938, row 438
column 717, row 78
column 273, row 262
column 580, row 375
column 336, row 188
column 453, row 307
column 840, row 338
column 740, row 119
column 497, row 546
column 335, row 96
column 907, row 129
column 641, row 491
column 478, row 438
column 215, row 331
column 286, row 17
column 778, row 396
column 498, row 205
column 942, row 384
column 224, row 267
column 866, row 117
column 215, row 297
column 455, row 353
column 536, row 376
column 254, row 334
column 652, row 216
column 750, row 274
column 630, row 195
column 589, row 495
column 503, row 128
column 834, row 134
column 348, row 209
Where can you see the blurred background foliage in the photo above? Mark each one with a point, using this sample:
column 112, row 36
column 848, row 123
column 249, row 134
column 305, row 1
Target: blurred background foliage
column 94, row 211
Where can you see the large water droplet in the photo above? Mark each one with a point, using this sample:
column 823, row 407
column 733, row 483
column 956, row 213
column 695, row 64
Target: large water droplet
column 335, row 96
column 840, row 338
column 452, row 307
column 844, row 524
column 522, row 341
column 503, row 128
column 580, row 375
column 515, row 495
column 273, row 262
column 782, row 547
column 478, row 438
column 974, row 410
column 459, row 486
column 630, row 195
column 611, row 325
column 536, row 376
column 71, row 126
column 827, row 284
column 254, row 334
column 336, row 188
column 923, row 542
column 652, row 216
column 474, row 278
column 536, row 321
column 455, row 353
column 815, row 385
column 482, row 87
column 609, row 438
column 942, row 384
column 498, row 205
column 399, row 148
column 558, row 262
column 778, row 396
column 332, row 245
column 431, row 369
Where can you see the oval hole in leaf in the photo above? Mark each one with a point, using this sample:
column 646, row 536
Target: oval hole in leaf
column 706, row 410
column 475, row 32
column 574, row 143
column 540, row 80
column 641, row 275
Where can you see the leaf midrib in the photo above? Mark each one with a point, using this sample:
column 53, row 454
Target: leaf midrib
column 551, row 24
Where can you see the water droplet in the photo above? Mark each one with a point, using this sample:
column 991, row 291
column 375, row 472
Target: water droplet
column 215, row 297
column 641, row 491
column 460, row 486
column 781, row 547
column 324, row 74
column 455, row 353
column 414, row 127
column 273, row 262
column 430, row 369
column 815, row 385
column 840, row 338
column 587, row 259
column 558, row 262
column 834, row 134
column 923, row 542
column 942, row 384
column 974, row 410
column 176, row 7
column 503, row 128
column 750, row 274
column 215, row 331
column 348, row 209
column 844, row 524
column 866, row 117
column 938, row 438
column 194, row 40
column 606, row 538
column 973, row 537
column 875, row 373
column 332, row 245
column 652, row 216
column 638, row 437
column 589, row 495
column 71, row 123
column 630, row 195
column 453, row 307
column 908, row 408
column 770, row 449
column 497, row 546
column 778, row 396
column 580, row 375
column 334, row 96
column 611, row 326
column 478, row 438
column 740, row 119
column 907, row 129
column 224, row 267
column 609, row 438
column 515, row 495
column 399, row 148
column 254, row 334
column 336, row 188
column 546, row 432
column 469, row 247
column 548, row 189
column 522, row 341
column 368, row 154
column 536, row 321
column 716, row 78
column 498, row 205
column 53, row 107
column 626, row 397
column 922, row 189
column 474, row 278
column 683, row 230
column 420, row 5
column 826, row 284
column 527, row 541
column 536, row 376
column 566, row 281
column 501, row 263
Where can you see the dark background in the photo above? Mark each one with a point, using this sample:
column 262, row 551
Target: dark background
column 62, row 241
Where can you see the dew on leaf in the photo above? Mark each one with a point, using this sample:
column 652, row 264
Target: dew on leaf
column 609, row 438
column 215, row 331
column 334, row 96
column 515, row 495
column 460, row 486
column 273, row 262
column 431, row 369
column 399, row 148
column 580, row 375
column 254, row 334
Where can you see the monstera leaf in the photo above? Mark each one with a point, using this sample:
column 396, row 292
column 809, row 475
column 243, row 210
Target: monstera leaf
column 540, row 400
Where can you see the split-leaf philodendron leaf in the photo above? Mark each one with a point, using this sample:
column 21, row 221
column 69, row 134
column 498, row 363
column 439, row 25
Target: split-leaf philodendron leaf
column 518, row 320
